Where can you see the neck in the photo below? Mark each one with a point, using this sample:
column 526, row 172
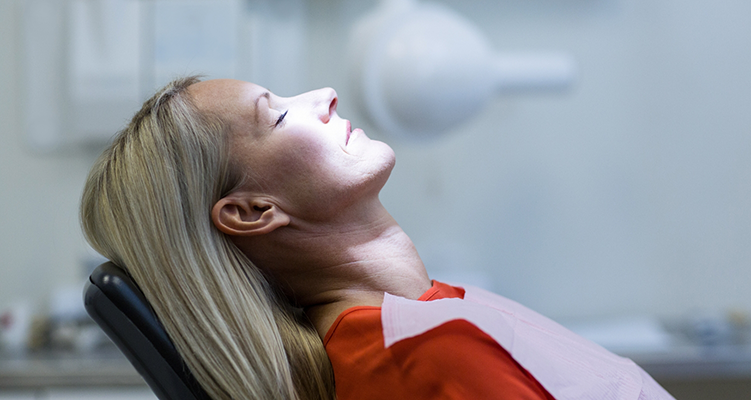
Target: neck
column 327, row 268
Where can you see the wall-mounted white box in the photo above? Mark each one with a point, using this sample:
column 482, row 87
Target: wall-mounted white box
column 82, row 68
column 89, row 64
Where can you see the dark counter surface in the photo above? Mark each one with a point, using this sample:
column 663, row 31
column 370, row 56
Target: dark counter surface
column 67, row 369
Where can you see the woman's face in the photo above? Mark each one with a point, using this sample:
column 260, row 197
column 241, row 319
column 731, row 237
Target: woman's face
column 297, row 149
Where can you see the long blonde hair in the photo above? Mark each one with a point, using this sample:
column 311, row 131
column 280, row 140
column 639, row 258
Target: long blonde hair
column 147, row 207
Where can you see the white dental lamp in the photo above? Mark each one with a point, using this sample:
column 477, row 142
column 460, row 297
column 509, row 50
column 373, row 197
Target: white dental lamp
column 419, row 69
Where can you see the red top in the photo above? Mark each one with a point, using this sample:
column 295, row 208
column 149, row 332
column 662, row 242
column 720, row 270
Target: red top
column 453, row 361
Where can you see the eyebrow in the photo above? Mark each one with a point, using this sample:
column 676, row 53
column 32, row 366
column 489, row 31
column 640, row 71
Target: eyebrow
column 267, row 95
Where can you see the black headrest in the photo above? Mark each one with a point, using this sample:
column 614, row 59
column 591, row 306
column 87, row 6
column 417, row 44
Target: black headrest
column 116, row 303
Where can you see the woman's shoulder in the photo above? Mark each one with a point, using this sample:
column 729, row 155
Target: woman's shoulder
column 455, row 360
column 352, row 321
column 460, row 359
column 357, row 320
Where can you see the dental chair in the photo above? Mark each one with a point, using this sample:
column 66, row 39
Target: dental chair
column 119, row 307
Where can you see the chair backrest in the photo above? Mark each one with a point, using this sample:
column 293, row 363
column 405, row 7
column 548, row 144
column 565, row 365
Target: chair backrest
column 116, row 303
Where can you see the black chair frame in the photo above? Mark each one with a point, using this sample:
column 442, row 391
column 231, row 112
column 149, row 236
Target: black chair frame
column 119, row 307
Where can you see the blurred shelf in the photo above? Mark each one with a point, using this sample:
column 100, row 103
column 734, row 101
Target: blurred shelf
column 681, row 349
column 691, row 362
column 683, row 362
column 60, row 369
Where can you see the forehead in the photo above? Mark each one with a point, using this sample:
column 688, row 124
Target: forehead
column 233, row 100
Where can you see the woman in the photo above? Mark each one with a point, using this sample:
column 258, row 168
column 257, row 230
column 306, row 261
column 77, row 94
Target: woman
column 252, row 223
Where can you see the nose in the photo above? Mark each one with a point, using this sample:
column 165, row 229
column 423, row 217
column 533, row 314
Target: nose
column 326, row 104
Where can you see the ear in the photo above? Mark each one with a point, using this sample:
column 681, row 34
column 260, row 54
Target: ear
column 239, row 215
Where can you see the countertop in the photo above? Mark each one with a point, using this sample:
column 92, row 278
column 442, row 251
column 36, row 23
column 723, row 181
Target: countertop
column 680, row 362
column 67, row 369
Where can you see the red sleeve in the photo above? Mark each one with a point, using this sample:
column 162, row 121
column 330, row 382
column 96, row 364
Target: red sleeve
column 455, row 361
column 458, row 361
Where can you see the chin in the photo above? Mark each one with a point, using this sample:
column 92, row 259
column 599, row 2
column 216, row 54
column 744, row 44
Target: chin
column 388, row 160
column 388, row 153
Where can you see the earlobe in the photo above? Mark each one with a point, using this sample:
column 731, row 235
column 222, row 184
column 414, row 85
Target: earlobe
column 237, row 216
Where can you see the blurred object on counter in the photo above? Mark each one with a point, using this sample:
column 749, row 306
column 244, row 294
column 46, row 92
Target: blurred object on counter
column 718, row 329
column 65, row 328
column 69, row 326
column 15, row 323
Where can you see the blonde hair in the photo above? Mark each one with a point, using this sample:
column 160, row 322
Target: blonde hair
column 147, row 206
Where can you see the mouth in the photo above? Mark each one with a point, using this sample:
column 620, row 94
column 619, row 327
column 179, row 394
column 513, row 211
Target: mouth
column 349, row 132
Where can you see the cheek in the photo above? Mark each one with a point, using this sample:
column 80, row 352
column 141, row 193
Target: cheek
column 296, row 168
column 315, row 178
column 305, row 159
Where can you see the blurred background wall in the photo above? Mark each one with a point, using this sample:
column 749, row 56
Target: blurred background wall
column 627, row 194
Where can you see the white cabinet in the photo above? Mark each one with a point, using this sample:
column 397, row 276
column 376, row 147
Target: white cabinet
column 88, row 64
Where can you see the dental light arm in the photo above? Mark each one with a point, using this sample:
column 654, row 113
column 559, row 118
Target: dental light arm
column 418, row 69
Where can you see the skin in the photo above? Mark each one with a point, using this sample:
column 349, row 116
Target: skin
column 309, row 213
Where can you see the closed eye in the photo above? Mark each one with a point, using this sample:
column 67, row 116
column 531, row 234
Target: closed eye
column 280, row 119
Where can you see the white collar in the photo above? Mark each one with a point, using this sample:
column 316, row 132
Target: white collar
column 568, row 366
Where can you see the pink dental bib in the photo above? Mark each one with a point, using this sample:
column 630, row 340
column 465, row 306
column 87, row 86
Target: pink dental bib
column 566, row 365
